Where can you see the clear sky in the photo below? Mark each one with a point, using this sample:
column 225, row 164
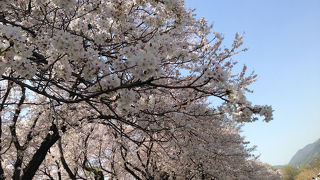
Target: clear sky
column 283, row 38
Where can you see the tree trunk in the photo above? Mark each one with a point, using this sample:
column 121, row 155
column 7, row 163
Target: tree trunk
column 41, row 153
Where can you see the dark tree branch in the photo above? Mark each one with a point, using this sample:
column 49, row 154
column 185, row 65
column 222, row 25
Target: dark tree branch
column 1, row 108
column 4, row 21
column 64, row 163
column 20, row 153
column 34, row 164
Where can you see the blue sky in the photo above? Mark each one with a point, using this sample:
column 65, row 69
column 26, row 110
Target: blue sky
column 283, row 38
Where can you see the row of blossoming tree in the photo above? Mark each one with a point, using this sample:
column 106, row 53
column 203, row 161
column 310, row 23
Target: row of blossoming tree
column 118, row 89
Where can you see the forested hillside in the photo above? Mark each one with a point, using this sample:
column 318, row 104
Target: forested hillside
column 306, row 154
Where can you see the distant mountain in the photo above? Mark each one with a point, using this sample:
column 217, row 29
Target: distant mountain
column 306, row 154
column 278, row 166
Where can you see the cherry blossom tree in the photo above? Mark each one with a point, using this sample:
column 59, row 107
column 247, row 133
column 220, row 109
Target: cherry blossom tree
column 95, row 89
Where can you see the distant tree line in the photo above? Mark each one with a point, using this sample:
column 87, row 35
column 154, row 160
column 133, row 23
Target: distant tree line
column 304, row 172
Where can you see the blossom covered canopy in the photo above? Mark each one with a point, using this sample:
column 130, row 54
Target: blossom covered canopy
column 124, row 86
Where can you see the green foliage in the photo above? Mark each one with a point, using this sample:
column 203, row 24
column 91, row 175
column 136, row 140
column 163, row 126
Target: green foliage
column 306, row 171
column 315, row 163
column 307, row 174
column 289, row 172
